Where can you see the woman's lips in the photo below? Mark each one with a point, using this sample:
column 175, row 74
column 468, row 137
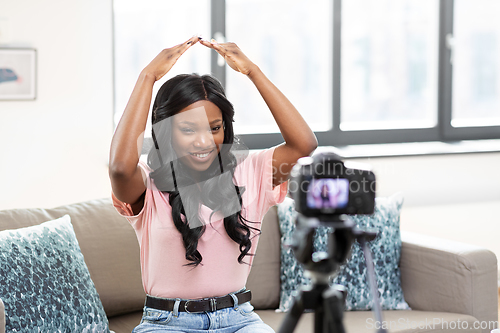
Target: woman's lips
column 203, row 156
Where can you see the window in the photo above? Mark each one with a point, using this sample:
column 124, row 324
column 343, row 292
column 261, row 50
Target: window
column 296, row 57
column 142, row 29
column 359, row 71
column 389, row 64
column 476, row 54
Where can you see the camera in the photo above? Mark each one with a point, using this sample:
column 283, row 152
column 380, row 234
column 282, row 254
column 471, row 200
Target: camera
column 323, row 185
column 326, row 190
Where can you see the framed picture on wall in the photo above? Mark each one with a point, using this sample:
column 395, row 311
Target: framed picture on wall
column 17, row 74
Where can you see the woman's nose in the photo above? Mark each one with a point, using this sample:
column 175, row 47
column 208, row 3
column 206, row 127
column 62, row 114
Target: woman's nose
column 204, row 139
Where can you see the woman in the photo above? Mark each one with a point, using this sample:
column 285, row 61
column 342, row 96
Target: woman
column 196, row 207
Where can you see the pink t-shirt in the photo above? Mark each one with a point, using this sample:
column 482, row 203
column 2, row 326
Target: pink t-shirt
column 162, row 249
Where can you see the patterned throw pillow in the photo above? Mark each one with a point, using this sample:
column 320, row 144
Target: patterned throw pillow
column 386, row 250
column 45, row 283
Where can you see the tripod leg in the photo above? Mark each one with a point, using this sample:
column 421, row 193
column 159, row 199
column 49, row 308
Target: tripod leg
column 377, row 308
column 320, row 319
column 333, row 301
column 293, row 315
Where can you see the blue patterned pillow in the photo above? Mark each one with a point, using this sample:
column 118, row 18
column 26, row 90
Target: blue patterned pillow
column 386, row 250
column 45, row 283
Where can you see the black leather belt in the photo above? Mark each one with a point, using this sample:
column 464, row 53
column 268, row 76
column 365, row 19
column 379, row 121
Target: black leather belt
column 199, row 305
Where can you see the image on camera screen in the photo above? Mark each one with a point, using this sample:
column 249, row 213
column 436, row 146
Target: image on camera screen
column 328, row 193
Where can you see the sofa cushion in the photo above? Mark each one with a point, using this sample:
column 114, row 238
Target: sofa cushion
column 264, row 278
column 45, row 283
column 386, row 250
column 109, row 246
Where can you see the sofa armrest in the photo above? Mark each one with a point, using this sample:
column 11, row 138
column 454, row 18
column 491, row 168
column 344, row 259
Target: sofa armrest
column 2, row 317
column 447, row 276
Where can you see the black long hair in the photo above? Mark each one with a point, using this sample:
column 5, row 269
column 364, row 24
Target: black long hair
column 170, row 175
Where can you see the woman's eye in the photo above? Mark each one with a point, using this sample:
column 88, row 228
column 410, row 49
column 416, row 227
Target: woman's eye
column 186, row 130
column 216, row 129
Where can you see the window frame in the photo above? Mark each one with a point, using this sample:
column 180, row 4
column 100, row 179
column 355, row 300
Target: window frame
column 442, row 132
column 445, row 86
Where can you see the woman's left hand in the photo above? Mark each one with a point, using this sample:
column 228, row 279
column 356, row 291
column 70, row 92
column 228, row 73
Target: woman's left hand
column 234, row 57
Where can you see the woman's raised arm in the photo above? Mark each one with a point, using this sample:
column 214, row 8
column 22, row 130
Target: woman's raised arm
column 300, row 140
column 126, row 178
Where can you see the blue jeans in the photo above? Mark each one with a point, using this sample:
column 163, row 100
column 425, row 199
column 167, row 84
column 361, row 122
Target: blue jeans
column 237, row 319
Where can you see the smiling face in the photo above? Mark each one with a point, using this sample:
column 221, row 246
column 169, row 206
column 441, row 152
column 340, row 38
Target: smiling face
column 197, row 134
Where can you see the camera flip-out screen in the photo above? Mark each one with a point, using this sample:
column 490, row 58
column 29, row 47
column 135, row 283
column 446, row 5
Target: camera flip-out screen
column 328, row 193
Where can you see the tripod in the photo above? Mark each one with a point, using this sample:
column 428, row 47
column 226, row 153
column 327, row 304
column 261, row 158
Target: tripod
column 327, row 302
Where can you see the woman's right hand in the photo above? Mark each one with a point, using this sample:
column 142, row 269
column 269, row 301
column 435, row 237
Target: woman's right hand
column 126, row 177
column 164, row 61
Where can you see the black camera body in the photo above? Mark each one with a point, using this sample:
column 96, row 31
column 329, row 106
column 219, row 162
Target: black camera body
column 323, row 185
column 327, row 190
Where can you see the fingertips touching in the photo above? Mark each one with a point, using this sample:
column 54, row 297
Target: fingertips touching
column 206, row 43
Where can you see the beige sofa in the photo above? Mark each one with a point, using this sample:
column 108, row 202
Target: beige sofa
column 449, row 285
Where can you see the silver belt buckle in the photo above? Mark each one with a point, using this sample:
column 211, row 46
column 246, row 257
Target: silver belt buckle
column 186, row 309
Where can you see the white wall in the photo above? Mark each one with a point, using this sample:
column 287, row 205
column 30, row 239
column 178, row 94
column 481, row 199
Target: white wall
column 54, row 150
column 451, row 196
